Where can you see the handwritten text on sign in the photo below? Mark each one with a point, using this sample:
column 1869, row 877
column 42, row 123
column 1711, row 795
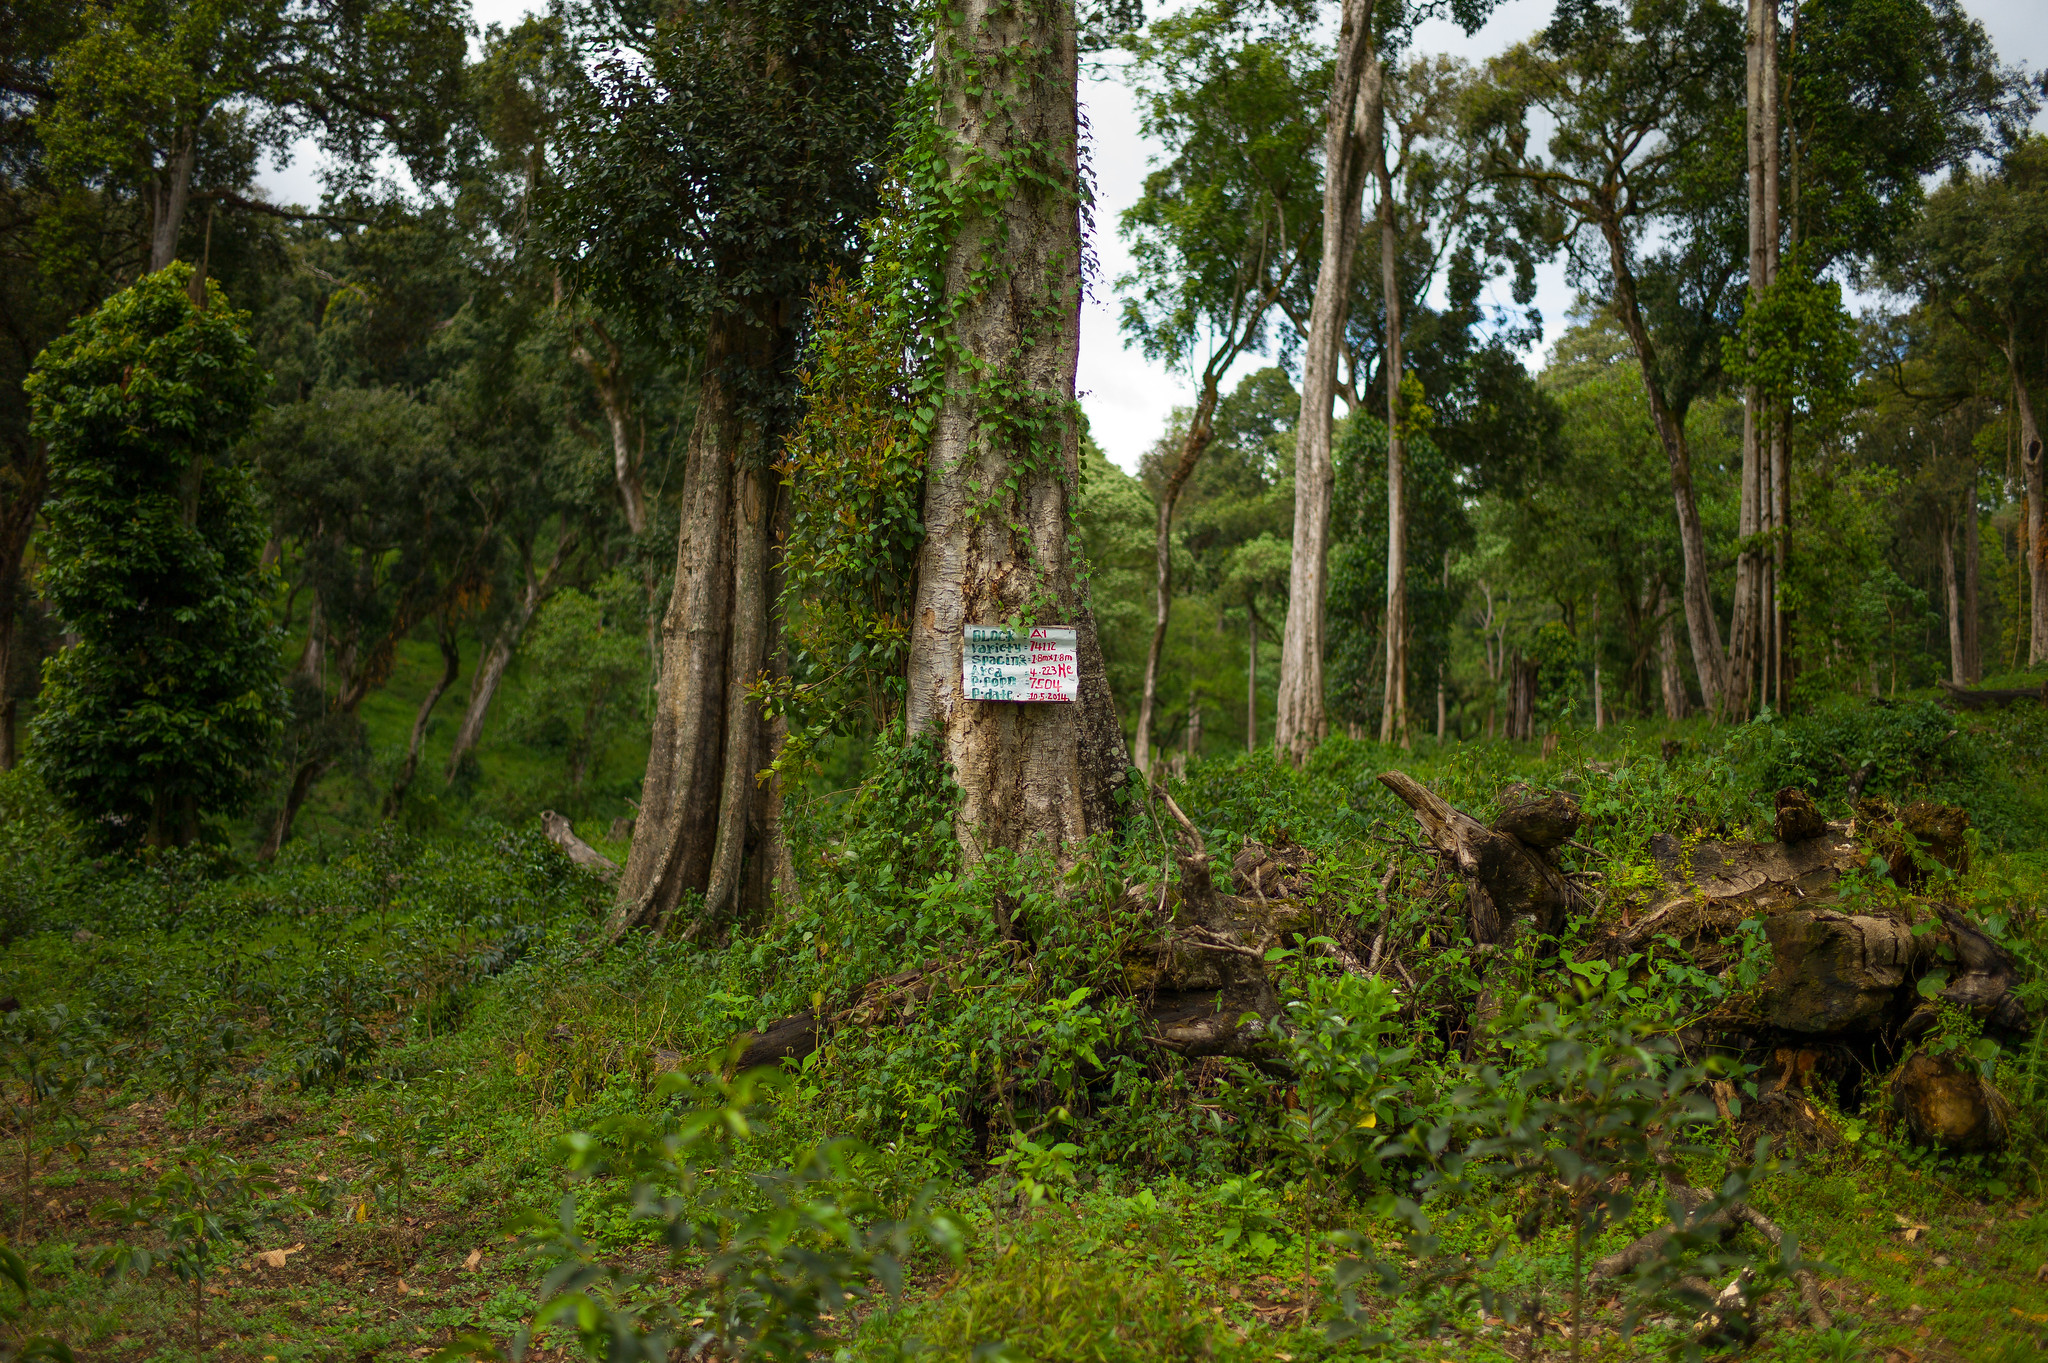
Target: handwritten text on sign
column 1002, row 664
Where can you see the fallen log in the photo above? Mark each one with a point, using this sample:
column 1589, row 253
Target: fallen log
column 1502, row 876
column 1980, row 698
column 562, row 834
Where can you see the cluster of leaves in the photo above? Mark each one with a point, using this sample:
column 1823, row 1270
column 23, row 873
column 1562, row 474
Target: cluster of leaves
column 777, row 1252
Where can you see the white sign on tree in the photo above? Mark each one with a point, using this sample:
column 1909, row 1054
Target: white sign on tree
column 998, row 663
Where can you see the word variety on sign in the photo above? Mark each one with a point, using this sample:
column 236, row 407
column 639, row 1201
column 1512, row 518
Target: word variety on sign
column 1006, row 664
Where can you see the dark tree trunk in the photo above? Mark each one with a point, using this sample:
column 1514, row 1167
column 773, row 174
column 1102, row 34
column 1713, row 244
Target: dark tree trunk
column 1973, row 645
column 1191, row 446
column 451, row 665
column 1522, row 678
column 23, row 483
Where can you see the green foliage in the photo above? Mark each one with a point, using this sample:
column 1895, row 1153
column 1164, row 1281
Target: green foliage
column 1796, row 344
column 776, row 1267
column 163, row 713
column 48, row 1057
column 586, row 656
column 20, row 1349
column 855, row 469
column 191, row 1220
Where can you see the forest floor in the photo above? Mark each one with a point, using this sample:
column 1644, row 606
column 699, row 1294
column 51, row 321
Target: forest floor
column 401, row 1050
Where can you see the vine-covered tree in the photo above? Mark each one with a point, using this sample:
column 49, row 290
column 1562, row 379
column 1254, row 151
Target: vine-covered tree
column 1005, row 466
column 164, row 710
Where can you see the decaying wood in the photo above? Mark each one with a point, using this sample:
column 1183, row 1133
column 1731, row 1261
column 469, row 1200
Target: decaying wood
column 1502, row 876
column 563, row 835
column 1809, row 1286
column 1980, row 698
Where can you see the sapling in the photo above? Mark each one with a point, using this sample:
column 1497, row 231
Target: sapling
column 14, row 1346
column 203, row 1038
column 48, row 1058
column 197, row 1213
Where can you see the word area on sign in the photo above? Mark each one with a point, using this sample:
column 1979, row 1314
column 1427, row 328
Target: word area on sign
column 998, row 663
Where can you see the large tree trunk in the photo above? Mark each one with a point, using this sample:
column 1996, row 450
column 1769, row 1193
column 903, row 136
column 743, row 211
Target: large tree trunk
column 1005, row 458
column 738, row 812
column 1700, row 622
column 1191, row 446
column 1746, row 620
column 1394, row 706
column 167, row 201
column 1670, row 681
column 675, row 837
column 1301, row 721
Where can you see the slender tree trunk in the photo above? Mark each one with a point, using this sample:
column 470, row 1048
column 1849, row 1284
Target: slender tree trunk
column 1745, row 619
column 1670, row 681
column 1973, row 646
column 1301, row 720
column 1192, row 444
column 1700, row 621
column 1776, row 506
column 1004, row 466
column 615, row 395
column 1523, row 675
column 490, row 673
column 1394, row 703
column 451, row 664
column 675, row 836
column 1599, row 700
column 1952, row 598
column 167, row 203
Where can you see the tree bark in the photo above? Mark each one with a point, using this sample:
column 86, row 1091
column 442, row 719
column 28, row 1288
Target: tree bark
column 1522, row 679
column 1199, row 432
column 1004, row 467
column 167, row 204
column 675, row 837
column 451, row 664
column 1952, row 596
column 1701, row 624
column 1745, row 643
column 737, row 802
column 1301, row 720
column 2031, row 466
column 1394, row 703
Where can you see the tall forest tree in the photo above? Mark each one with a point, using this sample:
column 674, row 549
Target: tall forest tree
column 708, row 184
column 1219, row 234
column 1005, row 465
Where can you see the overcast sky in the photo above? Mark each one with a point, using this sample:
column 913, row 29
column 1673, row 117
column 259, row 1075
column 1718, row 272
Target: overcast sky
column 1126, row 396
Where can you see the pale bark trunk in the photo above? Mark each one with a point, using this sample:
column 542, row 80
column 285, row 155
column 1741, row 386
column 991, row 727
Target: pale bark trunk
column 1776, row 504
column 1599, row 700
column 1952, row 597
column 1191, row 446
column 451, row 664
column 614, row 394
column 999, row 492
column 1301, row 720
column 675, row 835
column 1394, row 702
column 483, row 688
column 167, row 203
column 1700, row 622
column 1746, row 614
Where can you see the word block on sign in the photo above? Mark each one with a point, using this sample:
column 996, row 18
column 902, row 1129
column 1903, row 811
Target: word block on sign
column 1006, row 664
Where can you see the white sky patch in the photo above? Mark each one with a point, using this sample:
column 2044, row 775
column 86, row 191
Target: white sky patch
column 1127, row 397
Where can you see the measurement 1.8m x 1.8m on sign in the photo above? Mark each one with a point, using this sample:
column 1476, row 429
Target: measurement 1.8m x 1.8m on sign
column 1004, row 664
